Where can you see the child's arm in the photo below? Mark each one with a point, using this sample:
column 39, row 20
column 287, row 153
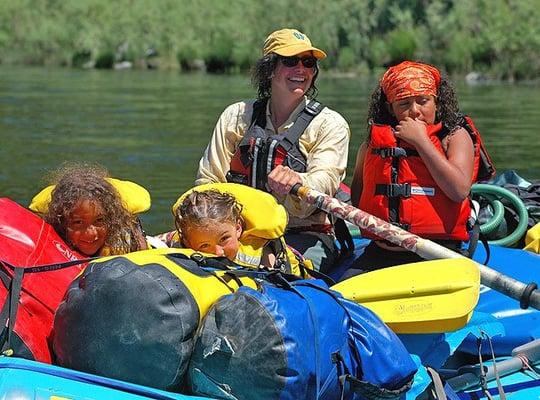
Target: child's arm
column 452, row 173
column 357, row 179
column 268, row 260
column 170, row 239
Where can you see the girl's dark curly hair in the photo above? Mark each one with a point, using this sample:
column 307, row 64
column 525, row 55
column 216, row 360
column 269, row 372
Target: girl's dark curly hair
column 80, row 181
column 263, row 71
column 447, row 107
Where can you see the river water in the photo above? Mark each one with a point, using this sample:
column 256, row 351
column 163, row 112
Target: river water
column 152, row 126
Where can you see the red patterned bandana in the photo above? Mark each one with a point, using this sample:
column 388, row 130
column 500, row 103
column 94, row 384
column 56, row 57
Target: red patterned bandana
column 410, row 79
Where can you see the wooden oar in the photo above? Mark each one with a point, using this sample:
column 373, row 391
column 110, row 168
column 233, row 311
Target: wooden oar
column 525, row 294
column 424, row 297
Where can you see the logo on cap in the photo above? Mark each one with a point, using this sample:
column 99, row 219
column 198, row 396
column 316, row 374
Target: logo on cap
column 298, row 35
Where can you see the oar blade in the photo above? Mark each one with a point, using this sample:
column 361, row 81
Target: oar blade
column 425, row 297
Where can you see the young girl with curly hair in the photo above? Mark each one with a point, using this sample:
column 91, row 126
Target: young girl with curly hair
column 87, row 211
column 417, row 165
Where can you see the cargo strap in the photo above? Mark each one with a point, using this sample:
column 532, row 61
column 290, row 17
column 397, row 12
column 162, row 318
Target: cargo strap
column 13, row 283
column 483, row 381
column 223, row 264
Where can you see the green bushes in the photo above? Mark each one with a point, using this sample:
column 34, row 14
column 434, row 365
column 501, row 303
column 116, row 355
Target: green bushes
column 500, row 38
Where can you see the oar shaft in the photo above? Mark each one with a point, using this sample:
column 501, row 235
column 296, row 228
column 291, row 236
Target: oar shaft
column 472, row 379
column 522, row 356
column 423, row 247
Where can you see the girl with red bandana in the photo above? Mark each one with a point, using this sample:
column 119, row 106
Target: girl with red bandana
column 417, row 165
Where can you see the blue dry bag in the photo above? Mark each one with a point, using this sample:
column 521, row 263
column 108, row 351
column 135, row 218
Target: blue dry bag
column 296, row 340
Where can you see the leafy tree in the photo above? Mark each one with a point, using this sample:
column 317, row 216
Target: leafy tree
column 499, row 37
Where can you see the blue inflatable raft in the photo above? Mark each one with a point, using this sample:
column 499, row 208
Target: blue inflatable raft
column 498, row 327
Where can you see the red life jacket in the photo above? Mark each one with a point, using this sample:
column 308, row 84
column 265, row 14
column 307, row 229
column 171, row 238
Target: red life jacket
column 398, row 187
column 259, row 153
column 30, row 296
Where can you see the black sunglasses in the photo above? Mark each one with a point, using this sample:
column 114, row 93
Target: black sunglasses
column 308, row 62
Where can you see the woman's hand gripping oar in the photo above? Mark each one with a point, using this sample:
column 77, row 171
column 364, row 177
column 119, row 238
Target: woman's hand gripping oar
column 526, row 294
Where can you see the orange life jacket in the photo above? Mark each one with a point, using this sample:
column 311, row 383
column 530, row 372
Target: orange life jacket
column 398, row 187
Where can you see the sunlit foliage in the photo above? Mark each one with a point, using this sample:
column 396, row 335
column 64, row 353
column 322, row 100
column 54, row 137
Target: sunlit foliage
column 500, row 38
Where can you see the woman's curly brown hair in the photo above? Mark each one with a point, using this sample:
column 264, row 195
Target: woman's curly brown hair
column 447, row 107
column 80, row 181
column 263, row 71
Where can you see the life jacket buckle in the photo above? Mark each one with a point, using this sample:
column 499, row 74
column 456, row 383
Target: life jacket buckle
column 312, row 107
column 390, row 152
column 394, row 190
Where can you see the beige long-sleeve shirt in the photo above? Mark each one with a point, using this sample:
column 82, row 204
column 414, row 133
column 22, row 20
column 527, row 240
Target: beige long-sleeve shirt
column 325, row 143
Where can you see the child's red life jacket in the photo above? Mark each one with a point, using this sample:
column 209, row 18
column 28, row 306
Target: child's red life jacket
column 398, row 187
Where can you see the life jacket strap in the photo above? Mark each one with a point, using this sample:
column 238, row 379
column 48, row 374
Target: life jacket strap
column 385, row 152
column 393, row 189
column 310, row 111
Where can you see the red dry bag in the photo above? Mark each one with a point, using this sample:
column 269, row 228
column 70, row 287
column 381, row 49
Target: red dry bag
column 36, row 268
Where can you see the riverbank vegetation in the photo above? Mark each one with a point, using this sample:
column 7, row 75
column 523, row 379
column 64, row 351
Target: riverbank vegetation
column 499, row 39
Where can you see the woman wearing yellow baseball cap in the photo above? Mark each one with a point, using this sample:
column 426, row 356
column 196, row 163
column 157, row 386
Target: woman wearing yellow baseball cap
column 282, row 138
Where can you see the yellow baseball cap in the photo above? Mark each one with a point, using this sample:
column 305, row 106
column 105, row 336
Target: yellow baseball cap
column 290, row 42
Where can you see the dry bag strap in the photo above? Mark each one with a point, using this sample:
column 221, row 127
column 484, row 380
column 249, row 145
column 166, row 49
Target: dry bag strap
column 211, row 264
column 8, row 314
column 370, row 391
column 12, row 305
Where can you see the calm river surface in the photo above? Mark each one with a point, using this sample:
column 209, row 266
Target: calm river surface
column 152, row 126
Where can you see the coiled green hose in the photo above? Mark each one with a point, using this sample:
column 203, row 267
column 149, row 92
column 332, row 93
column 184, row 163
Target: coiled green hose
column 494, row 192
column 498, row 215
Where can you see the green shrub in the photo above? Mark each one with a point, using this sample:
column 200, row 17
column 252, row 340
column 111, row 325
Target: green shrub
column 105, row 60
column 80, row 58
column 378, row 53
column 401, row 45
column 346, row 59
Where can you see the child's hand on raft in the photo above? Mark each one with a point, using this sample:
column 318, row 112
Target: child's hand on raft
column 413, row 131
column 282, row 179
